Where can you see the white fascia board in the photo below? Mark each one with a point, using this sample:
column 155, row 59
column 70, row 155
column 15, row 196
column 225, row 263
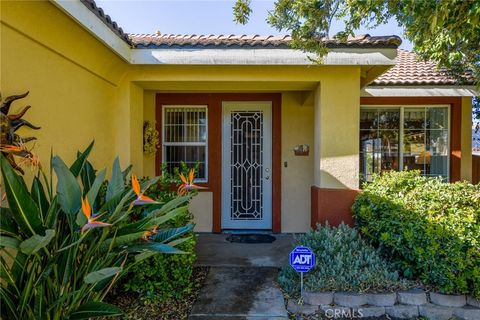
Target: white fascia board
column 420, row 91
column 80, row 13
column 253, row 56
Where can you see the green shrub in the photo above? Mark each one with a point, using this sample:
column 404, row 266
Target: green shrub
column 62, row 249
column 165, row 276
column 162, row 277
column 430, row 229
column 344, row 262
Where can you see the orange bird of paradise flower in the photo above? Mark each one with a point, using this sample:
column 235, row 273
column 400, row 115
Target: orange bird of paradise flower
column 141, row 199
column 188, row 184
column 91, row 223
column 149, row 233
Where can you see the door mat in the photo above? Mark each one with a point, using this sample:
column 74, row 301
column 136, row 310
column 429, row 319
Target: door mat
column 250, row 238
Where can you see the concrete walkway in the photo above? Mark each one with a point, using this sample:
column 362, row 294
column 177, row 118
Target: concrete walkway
column 241, row 282
column 214, row 250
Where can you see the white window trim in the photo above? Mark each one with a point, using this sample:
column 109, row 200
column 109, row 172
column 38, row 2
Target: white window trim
column 188, row 144
column 400, row 140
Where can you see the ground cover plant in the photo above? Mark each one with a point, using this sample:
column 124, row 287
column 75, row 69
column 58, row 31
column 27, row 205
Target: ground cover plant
column 344, row 262
column 174, row 308
column 428, row 228
column 63, row 249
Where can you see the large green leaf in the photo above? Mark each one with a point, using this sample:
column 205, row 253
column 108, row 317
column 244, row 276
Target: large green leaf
column 116, row 184
column 150, row 221
column 102, row 274
column 68, row 190
column 7, row 223
column 121, row 240
column 77, row 166
column 80, row 220
column 24, row 210
column 126, row 172
column 52, row 213
column 37, row 242
column 9, row 242
column 97, row 184
column 91, row 195
column 88, row 176
column 38, row 195
column 172, row 204
column 154, row 246
column 8, row 305
column 95, row 309
column 170, row 215
column 169, row 234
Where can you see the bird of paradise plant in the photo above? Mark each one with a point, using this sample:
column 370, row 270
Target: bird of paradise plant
column 57, row 260
column 188, row 183
column 91, row 223
column 141, row 198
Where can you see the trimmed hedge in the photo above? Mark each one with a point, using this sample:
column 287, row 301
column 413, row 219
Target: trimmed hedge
column 344, row 262
column 428, row 228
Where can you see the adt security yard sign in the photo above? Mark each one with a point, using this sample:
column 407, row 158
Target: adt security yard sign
column 302, row 259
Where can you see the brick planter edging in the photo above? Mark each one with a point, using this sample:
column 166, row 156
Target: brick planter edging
column 401, row 304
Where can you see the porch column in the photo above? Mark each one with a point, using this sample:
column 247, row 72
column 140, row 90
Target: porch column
column 336, row 160
column 128, row 119
column 466, row 140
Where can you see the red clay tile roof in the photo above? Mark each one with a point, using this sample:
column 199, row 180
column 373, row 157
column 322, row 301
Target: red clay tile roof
column 410, row 70
column 172, row 40
column 105, row 18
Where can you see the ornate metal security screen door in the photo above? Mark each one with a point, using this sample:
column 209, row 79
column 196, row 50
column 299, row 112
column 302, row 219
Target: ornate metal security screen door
column 247, row 165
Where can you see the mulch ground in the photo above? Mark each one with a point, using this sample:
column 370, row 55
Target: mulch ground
column 173, row 309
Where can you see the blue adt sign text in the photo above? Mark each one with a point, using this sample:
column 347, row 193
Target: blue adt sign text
column 302, row 259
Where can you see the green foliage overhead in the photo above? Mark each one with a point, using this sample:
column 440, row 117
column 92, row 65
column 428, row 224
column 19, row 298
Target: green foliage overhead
column 430, row 229
column 447, row 32
column 241, row 11
column 344, row 262
column 476, row 108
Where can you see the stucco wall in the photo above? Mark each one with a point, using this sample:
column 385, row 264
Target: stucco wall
column 149, row 115
column 201, row 207
column 297, row 176
column 71, row 76
column 337, row 129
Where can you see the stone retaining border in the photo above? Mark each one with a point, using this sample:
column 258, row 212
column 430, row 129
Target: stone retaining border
column 402, row 305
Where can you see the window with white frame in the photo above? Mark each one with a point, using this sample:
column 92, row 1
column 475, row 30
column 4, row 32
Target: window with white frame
column 185, row 131
column 404, row 138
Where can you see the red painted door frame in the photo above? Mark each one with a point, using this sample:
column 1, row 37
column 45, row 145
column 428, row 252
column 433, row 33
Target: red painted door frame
column 214, row 103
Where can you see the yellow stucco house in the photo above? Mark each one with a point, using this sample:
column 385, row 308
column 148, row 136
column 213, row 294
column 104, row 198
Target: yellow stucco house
column 281, row 143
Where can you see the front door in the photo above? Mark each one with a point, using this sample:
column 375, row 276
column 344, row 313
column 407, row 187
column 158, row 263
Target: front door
column 247, row 165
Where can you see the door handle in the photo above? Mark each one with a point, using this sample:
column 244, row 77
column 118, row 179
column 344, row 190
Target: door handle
column 267, row 177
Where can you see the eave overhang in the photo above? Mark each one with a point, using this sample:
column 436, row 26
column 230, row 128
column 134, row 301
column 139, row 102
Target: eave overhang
column 420, row 91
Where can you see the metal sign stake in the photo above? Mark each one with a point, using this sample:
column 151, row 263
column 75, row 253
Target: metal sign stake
column 301, row 284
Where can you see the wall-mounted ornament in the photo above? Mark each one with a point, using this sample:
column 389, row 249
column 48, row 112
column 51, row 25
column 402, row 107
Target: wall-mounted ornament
column 150, row 138
column 301, row 150
column 12, row 144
